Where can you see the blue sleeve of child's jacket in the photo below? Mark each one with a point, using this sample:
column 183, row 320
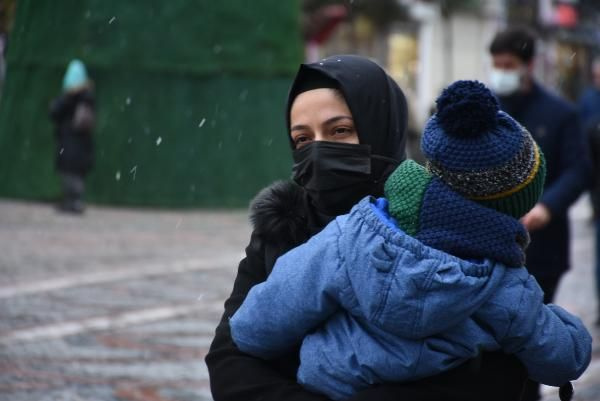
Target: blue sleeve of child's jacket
column 300, row 293
column 554, row 345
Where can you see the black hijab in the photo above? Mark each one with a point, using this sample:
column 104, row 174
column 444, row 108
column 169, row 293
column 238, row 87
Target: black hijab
column 377, row 104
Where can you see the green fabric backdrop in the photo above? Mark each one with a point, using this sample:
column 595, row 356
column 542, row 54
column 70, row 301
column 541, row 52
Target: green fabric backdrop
column 190, row 97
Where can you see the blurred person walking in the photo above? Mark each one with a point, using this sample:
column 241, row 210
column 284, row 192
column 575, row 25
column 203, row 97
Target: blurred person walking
column 555, row 126
column 589, row 102
column 589, row 108
column 593, row 133
column 73, row 113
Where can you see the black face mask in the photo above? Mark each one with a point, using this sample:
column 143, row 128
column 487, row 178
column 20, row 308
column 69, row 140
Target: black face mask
column 335, row 175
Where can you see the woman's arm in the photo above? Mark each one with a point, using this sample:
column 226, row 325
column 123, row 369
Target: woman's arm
column 493, row 376
column 236, row 376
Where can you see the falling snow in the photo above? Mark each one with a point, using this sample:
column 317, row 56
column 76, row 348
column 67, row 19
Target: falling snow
column 118, row 176
column 61, row 151
column 158, row 141
column 133, row 171
column 112, row 20
column 128, row 101
column 202, row 123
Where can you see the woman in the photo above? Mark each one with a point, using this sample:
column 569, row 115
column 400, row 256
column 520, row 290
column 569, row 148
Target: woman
column 346, row 120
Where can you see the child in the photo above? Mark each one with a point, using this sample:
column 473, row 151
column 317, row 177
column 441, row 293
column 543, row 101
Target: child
column 419, row 282
column 73, row 113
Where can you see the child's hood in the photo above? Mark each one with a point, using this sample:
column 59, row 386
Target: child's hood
column 403, row 286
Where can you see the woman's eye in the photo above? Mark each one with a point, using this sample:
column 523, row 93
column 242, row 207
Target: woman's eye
column 301, row 140
column 342, row 131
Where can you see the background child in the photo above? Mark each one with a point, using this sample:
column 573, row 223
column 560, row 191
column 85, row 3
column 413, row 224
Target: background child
column 74, row 115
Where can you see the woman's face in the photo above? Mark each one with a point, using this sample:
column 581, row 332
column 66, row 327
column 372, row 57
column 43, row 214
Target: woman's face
column 321, row 115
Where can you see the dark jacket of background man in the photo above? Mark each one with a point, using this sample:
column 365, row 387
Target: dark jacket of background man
column 554, row 124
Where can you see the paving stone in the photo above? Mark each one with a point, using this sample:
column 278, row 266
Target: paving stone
column 124, row 302
column 61, row 274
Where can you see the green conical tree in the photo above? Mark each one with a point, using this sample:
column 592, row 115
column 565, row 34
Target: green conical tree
column 190, row 97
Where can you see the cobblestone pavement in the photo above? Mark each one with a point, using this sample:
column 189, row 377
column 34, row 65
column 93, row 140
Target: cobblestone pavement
column 577, row 294
column 118, row 304
column 121, row 304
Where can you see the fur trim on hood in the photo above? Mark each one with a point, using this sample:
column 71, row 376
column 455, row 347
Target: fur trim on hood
column 278, row 213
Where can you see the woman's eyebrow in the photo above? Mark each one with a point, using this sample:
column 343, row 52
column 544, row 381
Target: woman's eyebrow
column 299, row 127
column 336, row 119
column 331, row 120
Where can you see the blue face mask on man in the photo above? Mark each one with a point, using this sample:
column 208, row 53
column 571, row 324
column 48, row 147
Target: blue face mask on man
column 505, row 82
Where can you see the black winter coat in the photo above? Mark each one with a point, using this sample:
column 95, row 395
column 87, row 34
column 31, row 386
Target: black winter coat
column 74, row 148
column 280, row 222
column 555, row 126
column 593, row 136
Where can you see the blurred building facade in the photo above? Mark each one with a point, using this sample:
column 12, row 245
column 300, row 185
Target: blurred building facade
column 431, row 43
column 191, row 92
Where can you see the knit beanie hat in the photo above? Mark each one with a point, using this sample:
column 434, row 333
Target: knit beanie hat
column 75, row 76
column 481, row 152
column 483, row 172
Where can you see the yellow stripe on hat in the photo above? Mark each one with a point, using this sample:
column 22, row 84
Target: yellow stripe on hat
column 528, row 180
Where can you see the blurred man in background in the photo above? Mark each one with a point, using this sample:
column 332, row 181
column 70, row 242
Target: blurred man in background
column 589, row 102
column 589, row 107
column 555, row 125
column 593, row 133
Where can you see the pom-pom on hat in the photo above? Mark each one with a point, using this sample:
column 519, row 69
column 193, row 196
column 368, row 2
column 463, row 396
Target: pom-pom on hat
column 481, row 152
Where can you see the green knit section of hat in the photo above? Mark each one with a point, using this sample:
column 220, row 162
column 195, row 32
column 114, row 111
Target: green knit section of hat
column 404, row 190
column 519, row 203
